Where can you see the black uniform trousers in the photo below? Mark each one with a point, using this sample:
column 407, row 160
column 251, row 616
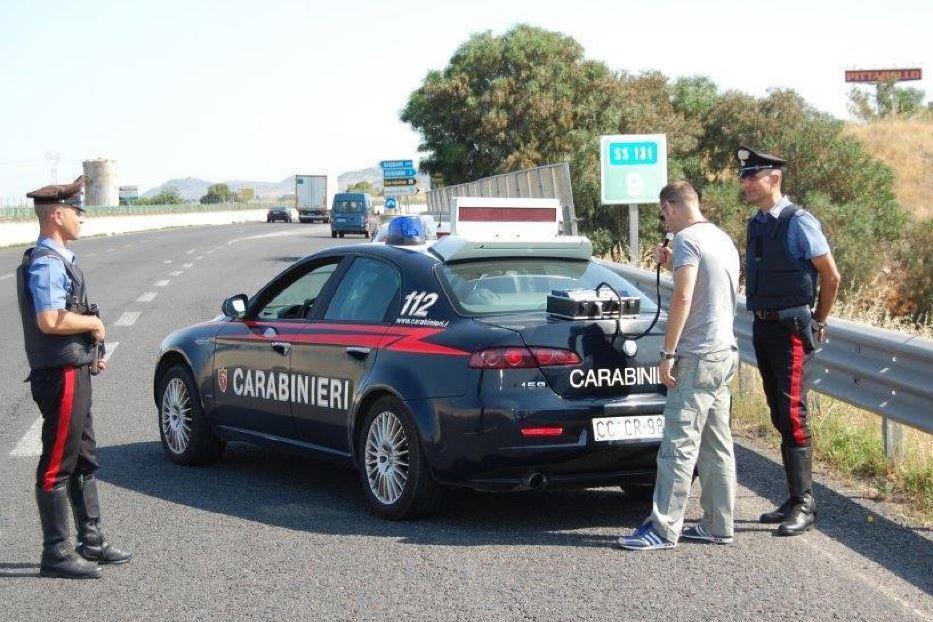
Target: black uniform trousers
column 783, row 363
column 68, row 445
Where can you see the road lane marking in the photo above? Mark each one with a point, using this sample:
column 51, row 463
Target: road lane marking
column 162, row 283
column 191, row 252
column 176, row 273
column 110, row 250
column 147, row 297
column 31, row 443
column 5, row 277
column 199, row 257
column 187, row 265
column 128, row 318
column 167, row 261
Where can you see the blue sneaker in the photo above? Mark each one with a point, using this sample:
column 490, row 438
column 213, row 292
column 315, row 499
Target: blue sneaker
column 697, row 532
column 645, row 538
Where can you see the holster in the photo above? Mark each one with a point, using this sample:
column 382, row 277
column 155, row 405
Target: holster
column 797, row 319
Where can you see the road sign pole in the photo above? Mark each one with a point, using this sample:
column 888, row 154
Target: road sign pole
column 633, row 233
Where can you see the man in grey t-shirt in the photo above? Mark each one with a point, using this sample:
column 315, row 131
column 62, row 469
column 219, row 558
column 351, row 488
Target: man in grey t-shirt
column 698, row 361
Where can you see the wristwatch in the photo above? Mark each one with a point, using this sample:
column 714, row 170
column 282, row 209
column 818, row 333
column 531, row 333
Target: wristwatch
column 819, row 325
column 668, row 356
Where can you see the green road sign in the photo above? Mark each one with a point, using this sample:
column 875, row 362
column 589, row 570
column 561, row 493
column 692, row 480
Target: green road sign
column 633, row 168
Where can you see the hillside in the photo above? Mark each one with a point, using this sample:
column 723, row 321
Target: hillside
column 905, row 145
column 192, row 188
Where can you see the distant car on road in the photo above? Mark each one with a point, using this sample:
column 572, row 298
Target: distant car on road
column 280, row 212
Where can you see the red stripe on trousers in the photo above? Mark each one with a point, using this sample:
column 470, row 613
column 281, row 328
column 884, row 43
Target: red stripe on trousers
column 796, row 377
column 61, row 435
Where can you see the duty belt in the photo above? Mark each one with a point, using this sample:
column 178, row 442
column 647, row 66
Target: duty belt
column 766, row 315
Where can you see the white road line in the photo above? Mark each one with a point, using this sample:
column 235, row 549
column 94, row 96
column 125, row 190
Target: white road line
column 128, row 318
column 176, row 272
column 110, row 250
column 5, row 277
column 199, row 257
column 191, row 252
column 167, row 261
column 147, row 297
column 187, row 265
column 31, row 443
column 161, row 283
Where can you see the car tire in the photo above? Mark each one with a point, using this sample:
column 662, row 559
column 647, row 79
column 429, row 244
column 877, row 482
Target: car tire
column 187, row 437
column 333, row 234
column 395, row 490
column 341, row 234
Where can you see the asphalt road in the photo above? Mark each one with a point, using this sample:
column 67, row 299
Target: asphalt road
column 271, row 536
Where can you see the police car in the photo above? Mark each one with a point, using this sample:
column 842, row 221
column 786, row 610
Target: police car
column 500, row 364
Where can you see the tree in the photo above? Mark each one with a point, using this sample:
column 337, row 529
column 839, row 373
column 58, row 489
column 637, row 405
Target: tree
column 888, row 100
column 362, row 186
column 169, row 196
column 218, row 193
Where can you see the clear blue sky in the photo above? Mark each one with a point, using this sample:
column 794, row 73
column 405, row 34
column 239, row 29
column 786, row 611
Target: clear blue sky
column 262, row 90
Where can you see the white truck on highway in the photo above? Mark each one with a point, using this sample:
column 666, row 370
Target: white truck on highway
column 313, row 196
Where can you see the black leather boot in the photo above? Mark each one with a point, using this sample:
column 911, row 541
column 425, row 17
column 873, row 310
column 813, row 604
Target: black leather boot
column 58, row 558
column 92, row 545
column 802, row 514
column 780, row 513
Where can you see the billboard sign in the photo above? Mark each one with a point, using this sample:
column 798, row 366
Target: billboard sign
column 884, row 75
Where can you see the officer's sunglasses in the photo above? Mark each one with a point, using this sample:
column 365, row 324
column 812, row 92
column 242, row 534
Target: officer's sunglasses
column 661, row 211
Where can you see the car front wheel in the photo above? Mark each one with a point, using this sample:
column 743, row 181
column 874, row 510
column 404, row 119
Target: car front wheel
column 187, row 437
column 393, row 469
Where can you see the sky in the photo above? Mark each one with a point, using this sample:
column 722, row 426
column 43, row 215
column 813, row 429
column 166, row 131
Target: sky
column 237, row 89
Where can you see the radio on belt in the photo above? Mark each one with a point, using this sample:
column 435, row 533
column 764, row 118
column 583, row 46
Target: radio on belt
column 581, row 304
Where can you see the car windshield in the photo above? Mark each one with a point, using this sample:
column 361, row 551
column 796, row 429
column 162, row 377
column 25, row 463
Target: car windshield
column 352, row 207
column 519, row 285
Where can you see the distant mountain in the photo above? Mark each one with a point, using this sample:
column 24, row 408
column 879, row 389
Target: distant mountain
column 192, row 188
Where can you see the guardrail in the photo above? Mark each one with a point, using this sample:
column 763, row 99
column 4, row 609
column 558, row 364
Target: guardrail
column 881, row 371
column 13, row 214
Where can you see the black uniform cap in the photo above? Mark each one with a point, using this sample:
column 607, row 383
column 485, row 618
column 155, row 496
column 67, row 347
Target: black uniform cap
column 751, row 161
column 67, row 194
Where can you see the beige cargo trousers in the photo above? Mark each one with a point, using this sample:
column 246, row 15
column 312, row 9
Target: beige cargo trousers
column 697, row 433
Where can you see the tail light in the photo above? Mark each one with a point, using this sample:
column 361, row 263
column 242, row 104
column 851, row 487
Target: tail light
column 522, row 358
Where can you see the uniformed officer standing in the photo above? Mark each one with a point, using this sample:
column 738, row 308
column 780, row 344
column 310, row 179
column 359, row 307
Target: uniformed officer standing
column 63, row 338
column 787, row 260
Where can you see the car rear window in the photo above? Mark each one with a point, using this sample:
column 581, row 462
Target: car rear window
column 521, row 285
column 351, row 207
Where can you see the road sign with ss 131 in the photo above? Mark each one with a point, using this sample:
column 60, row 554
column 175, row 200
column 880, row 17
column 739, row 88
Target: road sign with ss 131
column 633, row 168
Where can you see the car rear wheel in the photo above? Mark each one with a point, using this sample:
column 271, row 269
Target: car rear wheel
column 187, row 437
column 333, row 234
column 393, row 469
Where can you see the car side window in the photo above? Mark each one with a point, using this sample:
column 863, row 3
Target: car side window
column 296, row 299
column 366, row 293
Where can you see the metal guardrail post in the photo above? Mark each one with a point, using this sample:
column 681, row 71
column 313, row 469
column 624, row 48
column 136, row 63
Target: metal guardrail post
column 892, row 436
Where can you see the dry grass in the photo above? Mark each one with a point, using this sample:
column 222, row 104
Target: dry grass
column 905, row 145
column 847, row 441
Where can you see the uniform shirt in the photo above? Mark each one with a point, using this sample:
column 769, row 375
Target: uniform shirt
column 805, row 237
column 49, row 282
column 708, row 327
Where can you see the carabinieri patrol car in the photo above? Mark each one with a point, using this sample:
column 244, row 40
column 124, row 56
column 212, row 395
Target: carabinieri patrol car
column 498, row 365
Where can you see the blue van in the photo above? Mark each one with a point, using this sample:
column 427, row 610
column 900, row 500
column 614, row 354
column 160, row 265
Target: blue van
column 352, row 213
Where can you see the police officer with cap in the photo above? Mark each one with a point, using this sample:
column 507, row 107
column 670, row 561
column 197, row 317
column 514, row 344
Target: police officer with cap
column 64, row 340
column 787, row 261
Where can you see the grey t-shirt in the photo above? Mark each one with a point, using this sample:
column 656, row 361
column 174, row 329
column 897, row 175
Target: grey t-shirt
column 712, row 310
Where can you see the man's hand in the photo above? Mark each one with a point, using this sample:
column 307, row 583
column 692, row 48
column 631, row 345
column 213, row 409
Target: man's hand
column 663, row 256
column 98, row 331
column 101, row 365
column 667, row 377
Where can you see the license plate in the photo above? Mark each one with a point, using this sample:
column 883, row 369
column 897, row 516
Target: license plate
column 628, row 428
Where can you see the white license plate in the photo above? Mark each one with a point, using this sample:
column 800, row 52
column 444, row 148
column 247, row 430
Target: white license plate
column 629, row 428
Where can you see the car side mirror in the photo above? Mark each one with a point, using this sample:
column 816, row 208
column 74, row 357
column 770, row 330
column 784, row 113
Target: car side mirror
column 235, row 306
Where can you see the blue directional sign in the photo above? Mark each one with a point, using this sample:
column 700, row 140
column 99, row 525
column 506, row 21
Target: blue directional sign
column 391, row 203
column 390, row 173
column 396, row 164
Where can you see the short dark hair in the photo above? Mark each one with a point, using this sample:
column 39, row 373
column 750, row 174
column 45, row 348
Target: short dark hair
column 680, row 192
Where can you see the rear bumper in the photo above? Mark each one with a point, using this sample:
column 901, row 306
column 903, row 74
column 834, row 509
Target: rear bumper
column 482, row 447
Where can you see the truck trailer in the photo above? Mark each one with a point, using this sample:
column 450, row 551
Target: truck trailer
column 313, row 195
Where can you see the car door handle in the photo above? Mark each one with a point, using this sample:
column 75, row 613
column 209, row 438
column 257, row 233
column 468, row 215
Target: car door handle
column 357, row 352
column 281, row 347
